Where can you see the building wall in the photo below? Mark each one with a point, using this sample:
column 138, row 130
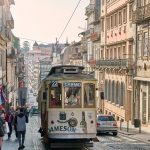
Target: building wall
column 117, row 46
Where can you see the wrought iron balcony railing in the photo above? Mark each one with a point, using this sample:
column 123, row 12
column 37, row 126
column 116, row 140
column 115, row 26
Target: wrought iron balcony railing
column 141, row 13
column 118, row 63
column 90, row 8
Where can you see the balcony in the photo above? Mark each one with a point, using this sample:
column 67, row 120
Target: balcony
column 11, row 53
column 10, row 21
column 95, row 36
column 118, row 63
column 141, row 14
column 4, row 31
column 89, row 9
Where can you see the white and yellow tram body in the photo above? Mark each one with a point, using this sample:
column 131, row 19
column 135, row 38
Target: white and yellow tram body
column 67, row 103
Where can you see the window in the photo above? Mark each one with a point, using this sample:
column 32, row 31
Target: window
column 124, row 51
column 106, row 118
column 102, row 25
column 139, row 3
column 124, row 15
column 130, row 11
column 55, row 95
column 120, row 18
column 108, row 23
column 119, row 52
column 115, row 53
column 89, row 95
column 72, row 94
column 116, row 20
column 145, row 42
column 139, row 45
column 111, row 21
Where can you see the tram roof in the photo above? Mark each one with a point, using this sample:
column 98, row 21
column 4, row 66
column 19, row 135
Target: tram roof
column 67, row 72
column 65, row 69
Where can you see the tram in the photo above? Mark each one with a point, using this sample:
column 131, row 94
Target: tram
column 66, row 100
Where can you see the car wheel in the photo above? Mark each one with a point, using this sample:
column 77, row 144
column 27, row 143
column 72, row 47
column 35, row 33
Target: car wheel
column 115, row 133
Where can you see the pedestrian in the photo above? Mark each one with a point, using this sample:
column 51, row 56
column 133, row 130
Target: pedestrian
column 20, row 120
column 2, row 129
column 10, row 120
column 15, row 125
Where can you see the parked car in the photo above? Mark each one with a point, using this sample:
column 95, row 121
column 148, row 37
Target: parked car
column 106, row 124
column 34, row 110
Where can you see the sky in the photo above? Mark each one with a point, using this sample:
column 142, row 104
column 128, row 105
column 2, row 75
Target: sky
column 44, row 20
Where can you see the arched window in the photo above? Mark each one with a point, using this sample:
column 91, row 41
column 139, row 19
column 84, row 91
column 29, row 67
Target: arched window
column 122, row 94
column 109, row 89
column 105, row 93
column 117, row 93
column 113, row 87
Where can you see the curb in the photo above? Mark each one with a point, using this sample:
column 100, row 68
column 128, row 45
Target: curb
column 126, row 133
column 135, row 138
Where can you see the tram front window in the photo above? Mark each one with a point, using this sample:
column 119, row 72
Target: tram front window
column 89, row 95
column 72, row 96
column 55, row 95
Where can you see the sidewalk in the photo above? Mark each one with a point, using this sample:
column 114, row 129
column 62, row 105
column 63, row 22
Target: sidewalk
column 134, row 133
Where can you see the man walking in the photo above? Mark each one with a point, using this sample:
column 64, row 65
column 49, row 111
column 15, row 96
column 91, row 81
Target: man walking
column 20, row 120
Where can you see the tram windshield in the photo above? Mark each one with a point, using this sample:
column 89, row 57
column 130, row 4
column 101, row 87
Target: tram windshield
column 73, row 96
column 89, row 95
column 55, row 96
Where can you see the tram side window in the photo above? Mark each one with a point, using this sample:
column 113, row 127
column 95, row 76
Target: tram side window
column 55, row 96
column 73, row 97
column 89, row 95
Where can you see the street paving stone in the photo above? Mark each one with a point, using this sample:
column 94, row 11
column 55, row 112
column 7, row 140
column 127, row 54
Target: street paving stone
column 104, row 142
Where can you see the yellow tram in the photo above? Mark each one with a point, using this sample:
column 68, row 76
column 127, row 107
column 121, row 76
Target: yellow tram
column 66, row 100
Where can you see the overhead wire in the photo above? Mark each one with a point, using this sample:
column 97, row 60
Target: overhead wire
column 69, row 20
column 62, row 30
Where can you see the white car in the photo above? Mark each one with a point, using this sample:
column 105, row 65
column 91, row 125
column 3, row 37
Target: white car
column 106, row 124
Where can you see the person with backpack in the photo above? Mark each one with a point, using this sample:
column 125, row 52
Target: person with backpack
column 20, row 120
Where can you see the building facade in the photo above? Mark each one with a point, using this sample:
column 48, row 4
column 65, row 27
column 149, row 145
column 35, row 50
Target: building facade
column 117, row 58
column 141, row 18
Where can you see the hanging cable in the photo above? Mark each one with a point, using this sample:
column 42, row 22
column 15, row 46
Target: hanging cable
column 69, row 20
column 33, row 40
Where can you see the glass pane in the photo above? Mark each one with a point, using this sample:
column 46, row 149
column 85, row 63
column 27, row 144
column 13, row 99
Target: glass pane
column 106, row 118
column 73, row 96
column 89, row 95
column 55, row 96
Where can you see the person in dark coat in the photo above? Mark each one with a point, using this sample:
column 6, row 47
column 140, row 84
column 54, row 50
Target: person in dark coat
column 9, row 119
column 20, row 120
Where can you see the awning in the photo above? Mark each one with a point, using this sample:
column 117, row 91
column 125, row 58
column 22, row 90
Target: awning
column 141, row 79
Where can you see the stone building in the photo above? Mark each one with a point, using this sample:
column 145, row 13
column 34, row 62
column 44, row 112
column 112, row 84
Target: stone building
column 141, row 18
column 117, row 58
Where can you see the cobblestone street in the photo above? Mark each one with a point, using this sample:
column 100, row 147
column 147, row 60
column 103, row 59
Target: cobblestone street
column 32, row 141
column 104, row 142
